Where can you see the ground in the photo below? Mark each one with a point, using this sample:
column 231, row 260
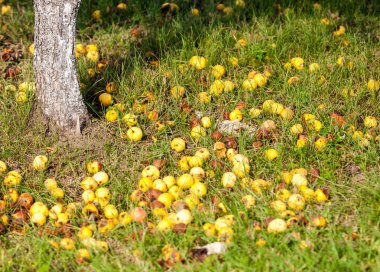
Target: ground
column 144, row 50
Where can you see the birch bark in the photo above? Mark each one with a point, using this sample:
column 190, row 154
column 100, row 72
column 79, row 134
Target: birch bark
column 58, row 101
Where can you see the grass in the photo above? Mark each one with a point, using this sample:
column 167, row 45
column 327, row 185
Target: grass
column 350, row 172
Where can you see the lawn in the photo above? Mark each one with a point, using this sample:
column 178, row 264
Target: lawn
column 299, row 80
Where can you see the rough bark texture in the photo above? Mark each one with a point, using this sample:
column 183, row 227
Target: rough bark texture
column 58, row 99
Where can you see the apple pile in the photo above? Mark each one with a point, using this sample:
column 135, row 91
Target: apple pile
column 172, row 201
column 97, row 214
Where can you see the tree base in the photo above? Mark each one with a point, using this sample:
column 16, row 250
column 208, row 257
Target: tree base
column 74, row 128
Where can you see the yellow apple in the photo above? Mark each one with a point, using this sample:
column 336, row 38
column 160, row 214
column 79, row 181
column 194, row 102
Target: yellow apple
column 239, row 159
column 88, row 196
column 277, row 108
column 307, row 193
column 319, row 221
column 38, row 219
column 55, row 210
column 67, row 244
column 105, row 99
column 203, row 153
column 183, row 164
column 3, row 167
column 248, row 201
column 125, row 218
column 229, row 179
column 169, row 181
column 31, row 49
column 134, row 134
column 277, row 226
column 145, row 184
column 217, row 87
column 240, row 3
column 227, row 10
column 340, row 31
column 198, row 132
column 151, row 172
column 320, row 143
column 218, row 71
column 94, row 167
column 370, row 122
column 206, row 122
column 320, row 196
column 166, row 199
column 195, row 12
column 175, row 191
column 101, row 178
column 296, row 129
column 85, row 232
column 373, row 85
column 96, row 14
column 296, row 202
column 88, row 183
column 209, row 229
column 195, row 161
column 236, row 115
column 160, row 185
column 229, row 86
column 278, row 205
column 241, row 170
column 178, row 145
column 313, row 67
column 340, row 61
column 299, row 180
column 90, row 209
column 292, row 80
column 297, row 63
column 287, row 114
column 91, row 47
column 112, row 115
column 164, row 225
column 111, row 87
column 103, row 193
column 39, row 207
column 255, row 112
column 110, row 211
column 129, row 119
column 231, row 153
column 234, row 61
column 11, row 195
column 271, row 154
column 185, row 181
column 62, row 219
column 21, row 97
column 40, row 163
column 283, row 194
column 225, row 234
column 177, row 91
column 12, row 179
column 204, row 97
column 198, row 62
column 249, row 85
column 267, row 105
column 197, row 173
column 57, row 193
column 260, row 79
column 184, row 216
column 198, row 189
column 241, row 43
column 83, row 255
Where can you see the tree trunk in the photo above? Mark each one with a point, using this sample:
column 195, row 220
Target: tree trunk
column 58, row 100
